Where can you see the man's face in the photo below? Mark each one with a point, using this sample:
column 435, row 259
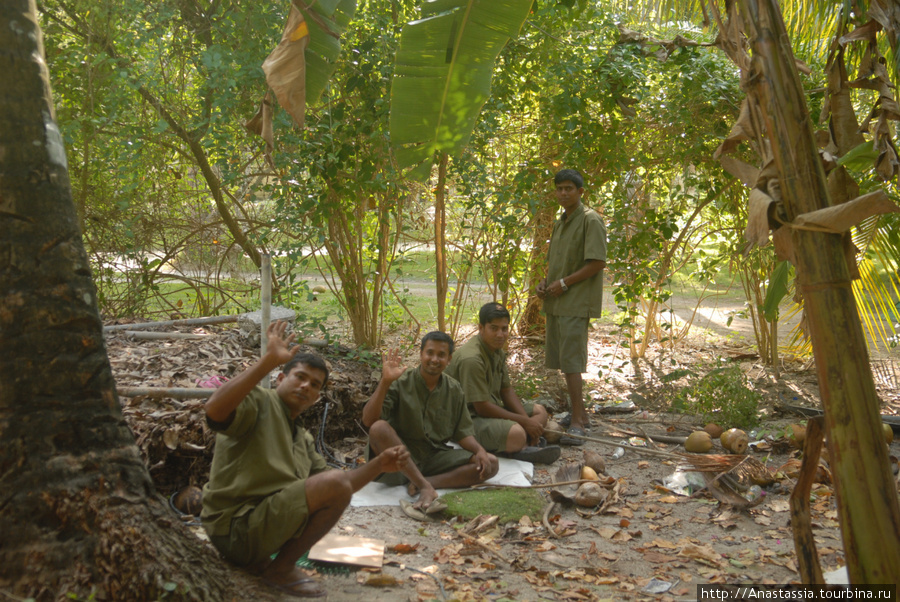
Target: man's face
column 495, row 333
column 434, row 357
column 301, row 387
column 568, row 195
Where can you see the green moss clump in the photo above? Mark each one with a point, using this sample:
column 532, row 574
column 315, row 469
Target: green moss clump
column 509, row 503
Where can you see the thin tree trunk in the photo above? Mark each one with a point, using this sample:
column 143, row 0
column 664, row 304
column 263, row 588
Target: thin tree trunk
column 79, row 515
column 440, row 231
column 867, row 500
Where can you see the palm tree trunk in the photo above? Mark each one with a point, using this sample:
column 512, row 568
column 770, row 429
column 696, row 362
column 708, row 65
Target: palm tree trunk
column 867, row 500
column 78, row 511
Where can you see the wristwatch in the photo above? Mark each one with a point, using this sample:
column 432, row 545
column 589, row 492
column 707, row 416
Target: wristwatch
column 562, row 284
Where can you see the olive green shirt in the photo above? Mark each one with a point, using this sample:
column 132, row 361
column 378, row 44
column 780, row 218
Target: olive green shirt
column 259, row 453
column 580, row 238
column 481, row 372
column 425, row 420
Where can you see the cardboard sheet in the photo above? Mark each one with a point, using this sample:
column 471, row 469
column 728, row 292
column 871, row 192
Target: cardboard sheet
column 348, row 549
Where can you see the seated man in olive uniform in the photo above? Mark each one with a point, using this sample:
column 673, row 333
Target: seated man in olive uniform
column 269, row 491
column 422, row 408
column 503, row 423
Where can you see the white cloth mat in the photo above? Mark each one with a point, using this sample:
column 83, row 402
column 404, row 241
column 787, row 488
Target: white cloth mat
column 512, row 472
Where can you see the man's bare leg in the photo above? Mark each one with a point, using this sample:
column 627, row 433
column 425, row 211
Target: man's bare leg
column 516, row 439
column 327, row 496
column 383, row 436
column 540, row 414
column 463, row 476
column 575, row 386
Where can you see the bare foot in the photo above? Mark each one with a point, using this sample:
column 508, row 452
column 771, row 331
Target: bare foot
column 426, row 496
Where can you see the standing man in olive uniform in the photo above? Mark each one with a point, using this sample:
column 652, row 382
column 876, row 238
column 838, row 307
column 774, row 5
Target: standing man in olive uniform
column 573, row 291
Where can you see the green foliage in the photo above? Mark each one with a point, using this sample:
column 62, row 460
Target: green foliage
column 721, row 396
column 444, row 66
column 509, row 503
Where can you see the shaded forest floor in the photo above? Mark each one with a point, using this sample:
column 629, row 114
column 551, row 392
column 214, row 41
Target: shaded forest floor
column 649, row 540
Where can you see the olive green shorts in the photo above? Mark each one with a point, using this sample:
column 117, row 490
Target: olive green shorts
column 262, row 531
column 429, row 463
column 492, row 433
column 566, row 344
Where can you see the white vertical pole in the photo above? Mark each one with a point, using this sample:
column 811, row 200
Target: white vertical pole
column 266, row 294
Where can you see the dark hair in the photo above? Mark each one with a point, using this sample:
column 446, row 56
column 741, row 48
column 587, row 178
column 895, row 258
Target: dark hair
column 309, row 359
column 492, row 311
column 569, row 175
column 438, row 336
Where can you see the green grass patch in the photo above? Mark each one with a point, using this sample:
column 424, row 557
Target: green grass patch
column 509, row 503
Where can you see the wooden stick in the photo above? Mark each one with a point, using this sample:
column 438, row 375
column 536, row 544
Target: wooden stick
column 540, row 486
column 546, row 520
column 643, row 435
column 174, row 392
column 184, row 322
column 139, row 334
column 801, row 521
column 639, row 450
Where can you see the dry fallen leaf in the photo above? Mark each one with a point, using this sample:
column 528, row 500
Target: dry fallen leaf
column 381, row 580
column 404, row 548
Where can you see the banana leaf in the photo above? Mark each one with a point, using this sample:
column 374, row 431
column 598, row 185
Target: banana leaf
column 327, row 20
column 298, row 69
column 442, row 75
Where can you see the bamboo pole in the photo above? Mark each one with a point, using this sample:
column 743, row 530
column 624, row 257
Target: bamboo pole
column 868, row 509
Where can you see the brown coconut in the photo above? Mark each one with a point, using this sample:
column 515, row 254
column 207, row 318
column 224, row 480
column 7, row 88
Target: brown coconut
column 698, row 442
column 715, row 431
column 553, row 425
column 595, row 461
column 735, row 440
column 797, row 436
column 590, row 495
column 189, row 500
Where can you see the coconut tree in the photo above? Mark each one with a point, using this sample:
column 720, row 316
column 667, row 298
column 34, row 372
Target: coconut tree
column 78, row 511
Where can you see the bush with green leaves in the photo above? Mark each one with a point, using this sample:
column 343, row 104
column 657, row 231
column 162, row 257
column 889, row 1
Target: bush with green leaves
column 721, row 396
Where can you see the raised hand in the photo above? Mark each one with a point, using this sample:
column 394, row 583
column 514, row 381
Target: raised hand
column 391, row 366
column 278, row 345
